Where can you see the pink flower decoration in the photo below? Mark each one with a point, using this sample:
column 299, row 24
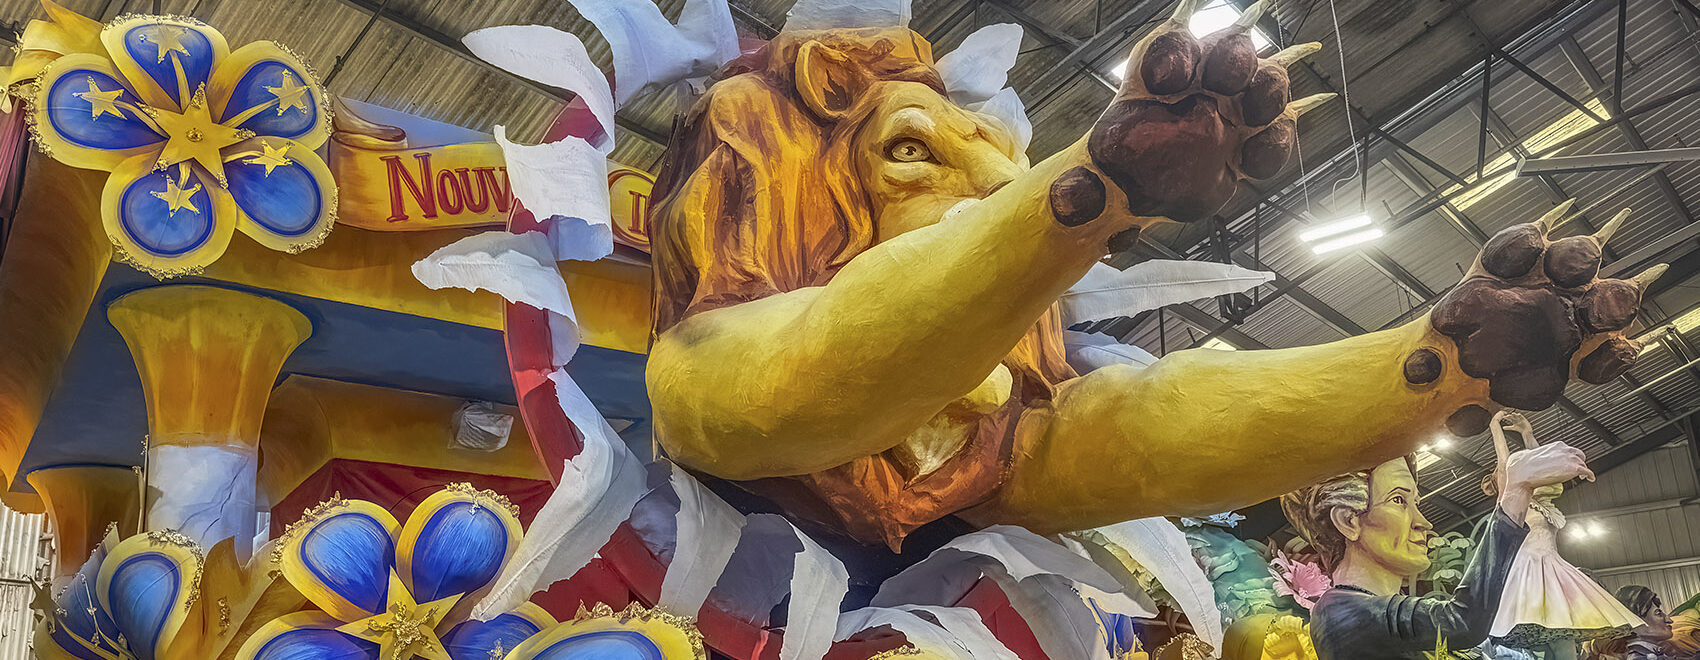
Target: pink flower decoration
column 1302, row 580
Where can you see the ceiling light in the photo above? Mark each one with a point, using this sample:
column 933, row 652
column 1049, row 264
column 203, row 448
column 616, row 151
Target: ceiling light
column 1443, row 443
column 1214, row 16
column 1347, row 241
column 1337, row 227
column 1218, row 15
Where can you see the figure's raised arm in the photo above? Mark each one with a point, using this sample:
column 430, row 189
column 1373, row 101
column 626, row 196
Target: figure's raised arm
column 1204, row 431
column 842, row 251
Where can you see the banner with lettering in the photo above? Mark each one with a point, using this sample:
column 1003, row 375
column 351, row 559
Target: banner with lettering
column 457, row 185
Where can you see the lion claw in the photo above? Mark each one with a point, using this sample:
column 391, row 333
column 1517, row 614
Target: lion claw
column 1530, row 305
column 1195, row 116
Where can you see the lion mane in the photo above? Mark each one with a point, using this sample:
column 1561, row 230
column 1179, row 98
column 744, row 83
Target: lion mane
column 758, row 195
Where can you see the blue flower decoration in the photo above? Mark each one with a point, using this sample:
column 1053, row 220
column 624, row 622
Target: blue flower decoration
column 201, row 141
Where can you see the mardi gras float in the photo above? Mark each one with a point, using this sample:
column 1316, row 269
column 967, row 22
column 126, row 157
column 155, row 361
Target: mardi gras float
column 806, row 392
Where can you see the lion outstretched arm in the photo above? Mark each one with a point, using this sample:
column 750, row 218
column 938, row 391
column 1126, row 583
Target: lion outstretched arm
column 793, row 378
column 1204, row 431
column 805, row 380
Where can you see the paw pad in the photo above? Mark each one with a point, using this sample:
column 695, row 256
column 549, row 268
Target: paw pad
column 1519, row 326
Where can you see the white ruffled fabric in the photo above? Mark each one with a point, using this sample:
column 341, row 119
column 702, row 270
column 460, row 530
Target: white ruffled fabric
column 1545, row 590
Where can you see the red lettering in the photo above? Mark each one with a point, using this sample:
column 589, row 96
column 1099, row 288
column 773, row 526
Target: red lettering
column 398, row 175
column 640, row 213
column 449, row 201
column 503, row 193
column 466, row 192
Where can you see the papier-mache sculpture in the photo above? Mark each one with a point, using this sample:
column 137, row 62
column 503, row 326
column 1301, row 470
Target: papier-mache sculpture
column 857, row 282
column 860, row 287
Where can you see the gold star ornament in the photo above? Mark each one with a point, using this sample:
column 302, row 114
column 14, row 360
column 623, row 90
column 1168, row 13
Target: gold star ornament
column 193, row 135
column 166, row 39
column 177, row 198
column 405, row 628
column 271, row 157
column 290, row 93
column 101, row 102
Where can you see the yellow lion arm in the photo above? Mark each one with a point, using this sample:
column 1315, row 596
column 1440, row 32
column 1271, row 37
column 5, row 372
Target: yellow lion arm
column 1206, row 431
column 813, row 378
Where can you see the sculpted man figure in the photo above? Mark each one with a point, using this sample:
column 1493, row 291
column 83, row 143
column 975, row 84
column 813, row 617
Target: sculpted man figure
column 856, row 278
column 1373, row 539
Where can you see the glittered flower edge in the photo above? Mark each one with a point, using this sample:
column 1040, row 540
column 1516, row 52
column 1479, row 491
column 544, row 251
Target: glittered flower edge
column 201, row 141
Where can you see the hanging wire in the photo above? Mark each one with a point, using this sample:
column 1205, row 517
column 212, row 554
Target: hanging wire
column 1351, row 131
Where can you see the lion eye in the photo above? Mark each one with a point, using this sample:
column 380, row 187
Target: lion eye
column 909, row 151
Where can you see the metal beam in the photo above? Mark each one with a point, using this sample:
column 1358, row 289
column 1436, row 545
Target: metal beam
column 1048, row 84
column 1551, row 87
column 1609, row 161
column 1437, row 167
column 1037, row 26
column 1404, row 171
column 1438, row 199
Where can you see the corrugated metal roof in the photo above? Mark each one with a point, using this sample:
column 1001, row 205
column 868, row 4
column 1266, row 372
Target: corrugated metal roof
column 1398, row 52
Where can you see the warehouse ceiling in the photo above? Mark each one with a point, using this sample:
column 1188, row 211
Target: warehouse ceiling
column 1434, row 175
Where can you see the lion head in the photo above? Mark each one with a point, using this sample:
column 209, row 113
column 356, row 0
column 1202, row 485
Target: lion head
column 804, row 155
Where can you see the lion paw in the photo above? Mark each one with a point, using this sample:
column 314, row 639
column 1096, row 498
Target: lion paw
column 1530, row 305
column 1194, row 116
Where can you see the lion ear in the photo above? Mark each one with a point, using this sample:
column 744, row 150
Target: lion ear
column 828, row 80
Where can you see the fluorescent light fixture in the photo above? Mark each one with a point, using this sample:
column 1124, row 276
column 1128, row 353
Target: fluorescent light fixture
column 1347, row 241
column 1212, row 17
column 1687, row 322
column 1336, row 227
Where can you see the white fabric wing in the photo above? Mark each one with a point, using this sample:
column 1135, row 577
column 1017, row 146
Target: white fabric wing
column 1088, row 351
column 649, row 51
column 518, row 267
column 1045, row 581
column 552, row 57
column 969, row 630
column 838, row 14
column 1161, row 548
column 1106, row 293
column 1006, row 107
column 567, row 181
column 978, row 68
column 964, row 638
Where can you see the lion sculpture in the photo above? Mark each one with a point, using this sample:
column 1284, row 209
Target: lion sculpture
column 856, row 282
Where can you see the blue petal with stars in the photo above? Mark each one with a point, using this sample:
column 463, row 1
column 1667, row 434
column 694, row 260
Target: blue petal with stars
column 142, row 592
column 475, row 640
column 72, row 110
column 602, row 645
column 161, row 48
column 459, row 550
column 306, row 635
column 146, row 214
column 291, row 105
column 287, row 202
column 84, row 623
column 350, row 554
column 311, row 644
